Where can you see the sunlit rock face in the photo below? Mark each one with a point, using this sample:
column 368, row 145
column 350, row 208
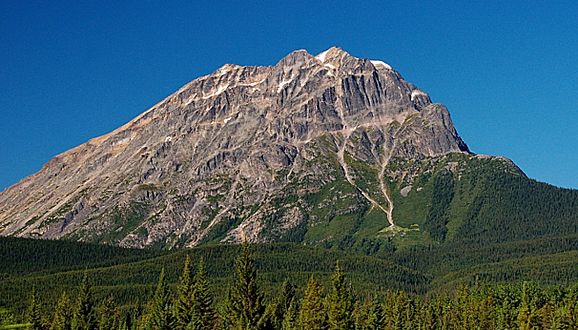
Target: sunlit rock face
column 218, row 159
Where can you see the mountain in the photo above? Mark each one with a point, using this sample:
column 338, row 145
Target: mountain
column 328, row 150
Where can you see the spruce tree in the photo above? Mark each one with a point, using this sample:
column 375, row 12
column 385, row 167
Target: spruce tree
column 61, row 319
column 280, row 306
column 203, row 313
column 340, row 302
column 375, row 315
column 528, row 319
column 34, row 316
column 360, row 314
column 291, row 317
column 84, row 316
column 225, row 311
column 107, row 314
column 161, row 317
column 246, row 304
column 184, row 304
column 313, row 315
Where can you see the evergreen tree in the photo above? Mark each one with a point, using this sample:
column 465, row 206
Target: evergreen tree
column 291, row 317
column 281, row 305
column 144, row 319
column 34, row 317
column 126, row 322
column 375, row 316
column 61, row 319
column 184, row 304
column 84, row 315
column 225, row 311
column 505, row 313
column 203, row 313
column 340, row 302
column 313, row 315
column 360, row 314
column 107, row 318
column 161, row 317
column 528, row 318
column 246, row 304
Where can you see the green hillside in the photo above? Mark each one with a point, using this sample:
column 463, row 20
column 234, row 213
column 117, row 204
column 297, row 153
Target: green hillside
column 463, row 220
column 458, row 200
column 132, row 281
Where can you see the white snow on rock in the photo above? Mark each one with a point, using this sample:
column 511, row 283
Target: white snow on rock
column 321, row 56
column 377, row 63
column 417, row 92
column 283, row 83
column 221, row 89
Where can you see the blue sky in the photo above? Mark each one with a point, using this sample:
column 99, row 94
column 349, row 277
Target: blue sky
column 507, row 70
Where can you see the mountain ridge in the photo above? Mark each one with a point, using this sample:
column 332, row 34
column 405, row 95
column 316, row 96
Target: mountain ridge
column 247, row 132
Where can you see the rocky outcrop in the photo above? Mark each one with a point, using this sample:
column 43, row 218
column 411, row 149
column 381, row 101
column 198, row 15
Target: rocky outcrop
column 216, row 160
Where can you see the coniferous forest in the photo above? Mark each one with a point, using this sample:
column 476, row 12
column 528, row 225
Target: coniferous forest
column 192, row 303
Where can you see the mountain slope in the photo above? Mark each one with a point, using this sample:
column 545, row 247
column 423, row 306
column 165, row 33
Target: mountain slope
column 327, row 150
column 216, row 160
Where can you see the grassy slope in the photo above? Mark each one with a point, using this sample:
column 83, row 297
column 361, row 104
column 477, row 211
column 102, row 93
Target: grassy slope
column 477, row 219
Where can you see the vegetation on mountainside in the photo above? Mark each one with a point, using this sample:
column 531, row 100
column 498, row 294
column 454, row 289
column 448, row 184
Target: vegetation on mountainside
column 315, row 305
column 469, row 222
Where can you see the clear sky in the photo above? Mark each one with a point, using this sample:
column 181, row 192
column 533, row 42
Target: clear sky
column 507, row 70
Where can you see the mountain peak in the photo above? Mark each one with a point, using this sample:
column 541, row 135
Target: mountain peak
column 209, row 162
column 332, row 52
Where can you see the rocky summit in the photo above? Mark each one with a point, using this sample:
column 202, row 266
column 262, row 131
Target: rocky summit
column 261, row 153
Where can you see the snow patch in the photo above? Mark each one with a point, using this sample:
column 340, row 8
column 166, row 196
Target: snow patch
column 226, row 68
column 377, row 63
column 329, row 66
column 283, row 83
column 417, row 92
column 219, row 90
column 321, row 56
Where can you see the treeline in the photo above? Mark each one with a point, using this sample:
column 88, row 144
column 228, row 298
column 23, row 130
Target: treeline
column 26, row 255
column 510, row 207
column 334, row 306
column 132, row 283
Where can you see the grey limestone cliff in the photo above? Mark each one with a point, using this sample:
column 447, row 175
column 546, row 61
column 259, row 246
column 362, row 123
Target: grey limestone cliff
column 218, row 159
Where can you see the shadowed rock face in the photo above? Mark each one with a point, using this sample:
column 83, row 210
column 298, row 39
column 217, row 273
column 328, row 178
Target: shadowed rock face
column 213, row 160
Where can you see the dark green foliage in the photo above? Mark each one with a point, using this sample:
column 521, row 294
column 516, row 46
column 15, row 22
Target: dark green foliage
column 368, row 315
column 504, row 205
column 185, row 298
column 25, row 255
column 291, row 317
column 34, row 316
column 438, row 216
column 132, row 283
column 279, row 308
column 62, row 315
column 161, row 314
column 203, row 314
column 246, row 305
column 524, row 305
column 107, row 314
column 313, row 313
column 340, row 302
column 6, row 317
column 84, row 314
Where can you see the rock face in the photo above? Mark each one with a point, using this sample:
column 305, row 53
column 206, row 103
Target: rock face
column 237, row 154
